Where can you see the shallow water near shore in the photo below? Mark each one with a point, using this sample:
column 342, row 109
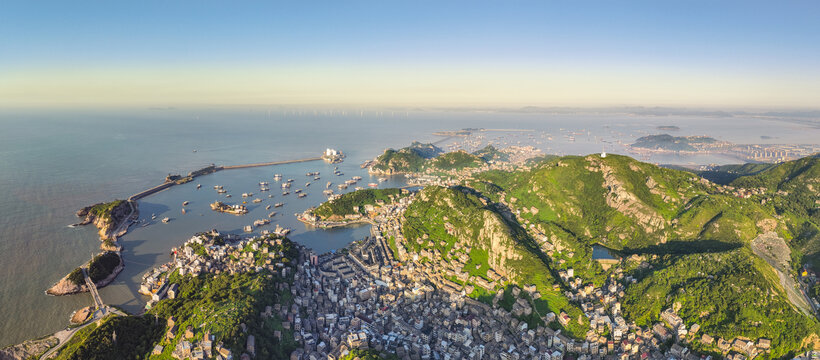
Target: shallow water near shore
column 54, row 163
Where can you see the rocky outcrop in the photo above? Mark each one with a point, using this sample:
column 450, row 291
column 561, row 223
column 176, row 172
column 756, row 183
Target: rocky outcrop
column 80, row 316
column 67, row 287
column 501, row 245
column 627, row 203
column 110, row 223
column 28, row 349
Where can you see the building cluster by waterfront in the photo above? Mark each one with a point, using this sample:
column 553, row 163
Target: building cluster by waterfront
column 366, row 298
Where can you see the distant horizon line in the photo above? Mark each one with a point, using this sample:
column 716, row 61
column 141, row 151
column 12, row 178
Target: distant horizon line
column 798, row 111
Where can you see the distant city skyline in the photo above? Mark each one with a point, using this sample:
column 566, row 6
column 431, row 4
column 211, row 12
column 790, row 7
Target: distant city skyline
column 737, row 54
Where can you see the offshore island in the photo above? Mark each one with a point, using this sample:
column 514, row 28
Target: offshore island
column 496, row 254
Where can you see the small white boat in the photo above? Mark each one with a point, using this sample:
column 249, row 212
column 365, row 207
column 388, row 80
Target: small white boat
column 267, row 207
column 185, row 203
column 248, row 228
column 166, row 220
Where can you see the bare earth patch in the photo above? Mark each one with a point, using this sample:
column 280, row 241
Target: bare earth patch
column 775, row 252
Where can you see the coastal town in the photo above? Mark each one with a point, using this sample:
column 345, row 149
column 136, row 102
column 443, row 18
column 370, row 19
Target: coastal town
column 377, row 294
column 413, row 310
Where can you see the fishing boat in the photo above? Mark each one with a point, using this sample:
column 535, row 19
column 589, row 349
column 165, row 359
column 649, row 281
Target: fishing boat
column 357, row 178
column 263, row 183
column 302, row 195
column 297, row 191
column 281, row 231
column 307, row 184
column 278, row 204
column 267, row 207
column 272, row 214
column 227, row 196
column 316, row 178
column 256, row 201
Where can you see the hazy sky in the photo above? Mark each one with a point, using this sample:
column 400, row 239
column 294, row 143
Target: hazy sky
column 578, row 53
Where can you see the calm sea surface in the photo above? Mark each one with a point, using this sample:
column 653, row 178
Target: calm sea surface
column 54, row 163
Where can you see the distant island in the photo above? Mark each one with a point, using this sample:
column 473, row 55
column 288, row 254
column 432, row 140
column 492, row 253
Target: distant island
column 668, row 128
column 676, row 143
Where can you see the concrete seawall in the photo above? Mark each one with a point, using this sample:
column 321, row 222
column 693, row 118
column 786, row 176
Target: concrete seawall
column 212, row 169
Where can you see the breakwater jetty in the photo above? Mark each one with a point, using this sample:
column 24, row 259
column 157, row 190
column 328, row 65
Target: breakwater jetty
column 172, row 180
column 271, row 163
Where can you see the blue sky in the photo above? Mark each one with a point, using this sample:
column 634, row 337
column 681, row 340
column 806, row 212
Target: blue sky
column 591, row 52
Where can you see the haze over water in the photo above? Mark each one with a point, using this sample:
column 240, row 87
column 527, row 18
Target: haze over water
column 54, row 163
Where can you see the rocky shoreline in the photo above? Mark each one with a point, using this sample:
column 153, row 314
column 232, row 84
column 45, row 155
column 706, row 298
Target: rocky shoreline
column 117, row 217
column 67, row 287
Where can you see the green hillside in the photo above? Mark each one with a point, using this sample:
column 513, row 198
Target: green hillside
column 572, row 203
column 490, row 153
column 225, row 305
column 418, row 157
column 455, row 160
column 792, row 189
column 623, row 204
column 346, row 204
column 487, row 240
column 728, row 294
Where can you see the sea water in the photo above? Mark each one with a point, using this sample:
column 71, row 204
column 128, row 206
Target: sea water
column 53, row 163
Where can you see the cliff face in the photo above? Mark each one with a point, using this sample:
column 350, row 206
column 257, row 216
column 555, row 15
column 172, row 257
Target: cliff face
column 107, row 217
column 66, row 287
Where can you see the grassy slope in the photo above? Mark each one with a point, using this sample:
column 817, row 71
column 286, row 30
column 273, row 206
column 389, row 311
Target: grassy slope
column 344, row 205
column 729, row 294
column 408, row 159
column 455, row 160
column 479, row 227
column 218, row 303
column 569, row 195
column 793, row 191
column 490, row 153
